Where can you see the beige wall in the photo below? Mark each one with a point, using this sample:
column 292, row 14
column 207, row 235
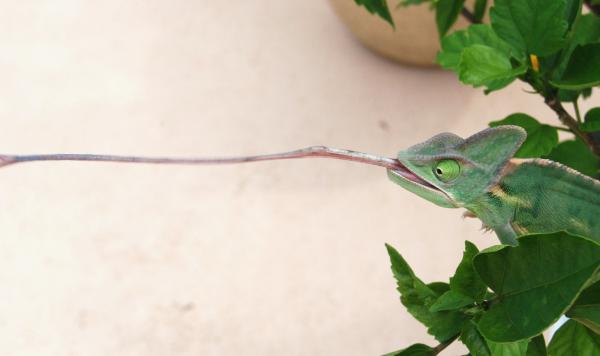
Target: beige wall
column 265, row 259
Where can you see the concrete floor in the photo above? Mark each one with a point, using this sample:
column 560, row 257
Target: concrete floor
column 264, row 259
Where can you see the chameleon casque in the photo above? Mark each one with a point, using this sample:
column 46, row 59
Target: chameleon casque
column 511, row 196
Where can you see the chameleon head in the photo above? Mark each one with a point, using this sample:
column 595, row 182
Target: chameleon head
column 451, row 171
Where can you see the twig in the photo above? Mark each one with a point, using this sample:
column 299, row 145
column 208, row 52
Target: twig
column 571, row 123
column 439, row 348
column 560, row 128
column 469, row 16
column 577, row 114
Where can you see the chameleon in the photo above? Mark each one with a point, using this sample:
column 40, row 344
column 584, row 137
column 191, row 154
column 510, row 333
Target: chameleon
column 511, row 196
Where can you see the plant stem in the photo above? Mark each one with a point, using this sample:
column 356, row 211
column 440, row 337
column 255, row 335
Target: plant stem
column 571, row 123
column 560, row 128
column 577, row 114
column 593, row 8
column 439, row 348
column 469, row 16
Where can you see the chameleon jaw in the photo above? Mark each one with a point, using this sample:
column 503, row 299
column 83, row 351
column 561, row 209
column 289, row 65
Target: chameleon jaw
column 412, row 182
column 407, row 174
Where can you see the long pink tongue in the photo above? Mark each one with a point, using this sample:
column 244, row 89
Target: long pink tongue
column 314, row 151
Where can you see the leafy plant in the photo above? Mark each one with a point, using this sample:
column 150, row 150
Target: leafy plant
column 500, row 300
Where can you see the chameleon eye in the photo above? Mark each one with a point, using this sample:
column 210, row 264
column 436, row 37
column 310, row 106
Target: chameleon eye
column 447, row 170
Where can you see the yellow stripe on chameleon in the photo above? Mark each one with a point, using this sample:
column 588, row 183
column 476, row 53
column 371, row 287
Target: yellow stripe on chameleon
column 510, row 199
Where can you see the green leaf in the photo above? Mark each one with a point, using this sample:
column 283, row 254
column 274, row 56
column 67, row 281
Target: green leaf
column 413, row 2
column 486, row 66
column 591, row 122
column 582, row 70
column 446, row 13
column 518, row 348
column 473, row 340
column 576, row 155
column 537, row 346
column 417, row 297
column 586, row 30
column 378, row 7
column 554, row 65
column 451, row 300
column 454, row 44
column 532, row 26
column 566, row 95
column 541, row 139
column 586, row 308
column 466, row 281
column 479, row 9
column 573, row 9
column 439, row 288
column 535, row 282
column 574, row 339
column 414, row 350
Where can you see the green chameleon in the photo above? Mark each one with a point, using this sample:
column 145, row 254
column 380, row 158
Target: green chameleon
column 511, row 196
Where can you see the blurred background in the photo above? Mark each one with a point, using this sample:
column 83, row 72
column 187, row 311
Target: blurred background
column 260, row 259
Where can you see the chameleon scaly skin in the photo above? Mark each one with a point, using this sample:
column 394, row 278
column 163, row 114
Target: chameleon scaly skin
column 542, row 196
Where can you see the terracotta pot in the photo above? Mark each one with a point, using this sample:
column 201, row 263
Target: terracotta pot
column 415, row 40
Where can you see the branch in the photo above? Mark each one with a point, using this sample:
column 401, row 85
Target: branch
column 439, row 348
column 469, row 16
column 593, row 8
column 571, row 123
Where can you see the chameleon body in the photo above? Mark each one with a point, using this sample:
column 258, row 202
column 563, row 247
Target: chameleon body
column 511, row 196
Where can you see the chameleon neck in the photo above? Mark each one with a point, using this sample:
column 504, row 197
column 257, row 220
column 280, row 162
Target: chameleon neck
column 541, row 196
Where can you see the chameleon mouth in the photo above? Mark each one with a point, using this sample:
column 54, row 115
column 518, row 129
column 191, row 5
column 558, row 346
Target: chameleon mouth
column 410, row 181
column 407, row 174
